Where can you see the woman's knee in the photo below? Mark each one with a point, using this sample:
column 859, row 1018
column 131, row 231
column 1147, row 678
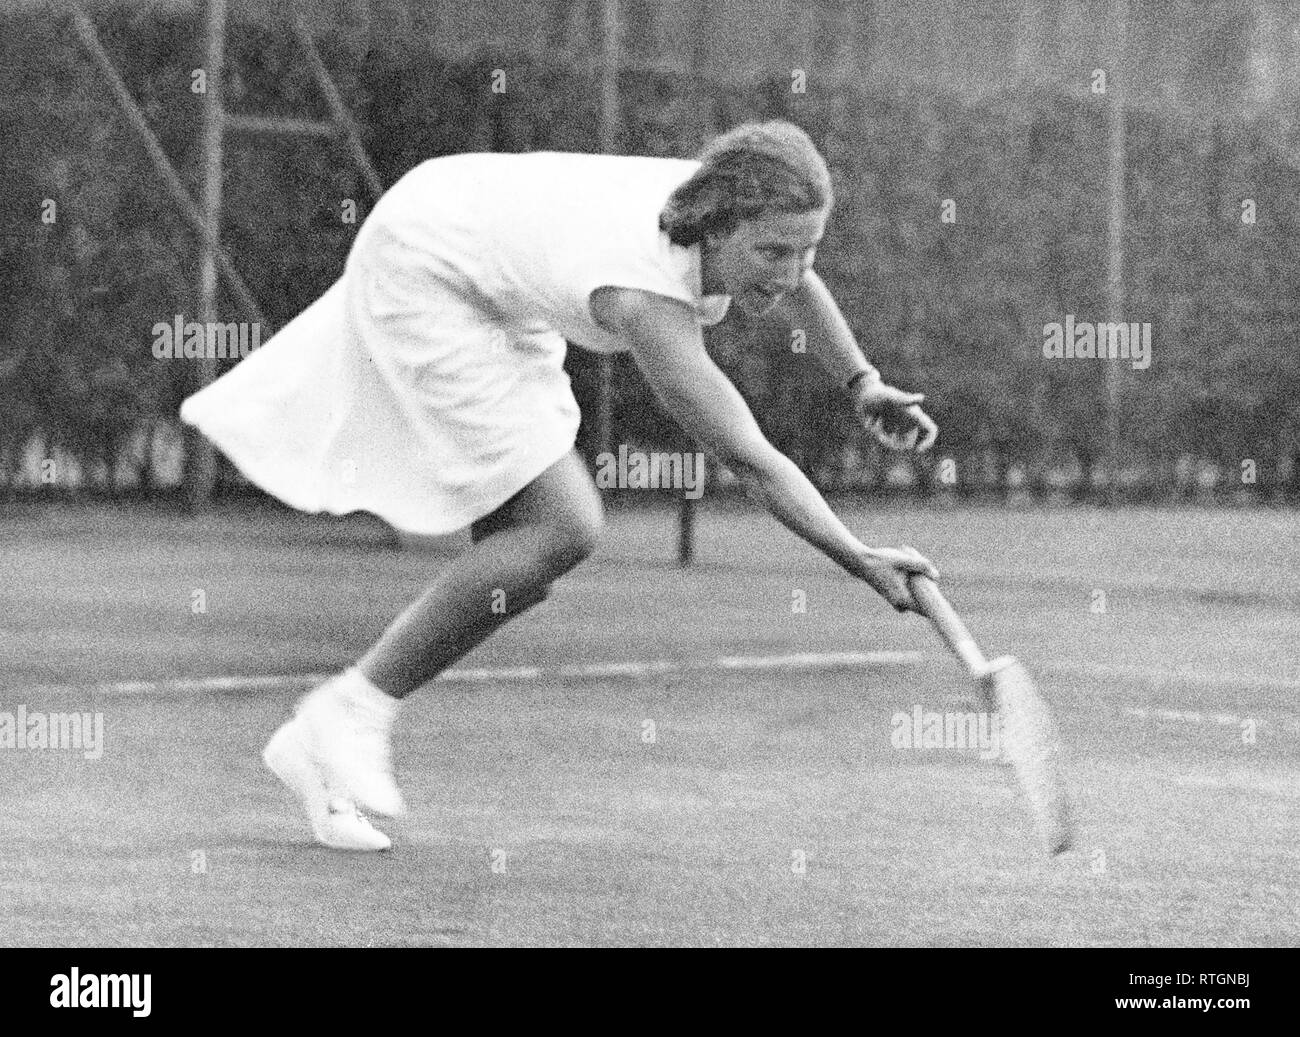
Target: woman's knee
column 571, row 538
column 565, row 506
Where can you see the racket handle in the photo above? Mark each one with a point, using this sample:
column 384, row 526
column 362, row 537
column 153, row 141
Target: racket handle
column 945, row 620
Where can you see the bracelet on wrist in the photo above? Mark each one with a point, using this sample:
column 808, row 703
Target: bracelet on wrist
column 869, row 374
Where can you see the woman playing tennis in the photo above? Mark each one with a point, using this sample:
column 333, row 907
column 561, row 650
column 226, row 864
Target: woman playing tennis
column 426, row 386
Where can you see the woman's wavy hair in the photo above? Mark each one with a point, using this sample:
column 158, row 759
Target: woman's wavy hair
column 748, row 172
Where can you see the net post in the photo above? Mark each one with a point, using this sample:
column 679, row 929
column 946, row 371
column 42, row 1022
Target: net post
column 202, row 454
column 685, row 532
column 609, row 128
column 1116, row 126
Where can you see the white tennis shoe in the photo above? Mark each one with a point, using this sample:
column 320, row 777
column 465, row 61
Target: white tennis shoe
column 348, row 723
column 335, row 820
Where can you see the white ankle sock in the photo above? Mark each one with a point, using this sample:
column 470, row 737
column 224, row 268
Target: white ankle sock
column 372, row 702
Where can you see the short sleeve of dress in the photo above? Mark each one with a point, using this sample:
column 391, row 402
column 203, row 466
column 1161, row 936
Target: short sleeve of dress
column 626, row 249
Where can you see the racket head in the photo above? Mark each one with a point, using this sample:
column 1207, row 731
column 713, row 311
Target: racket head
column 1031, row 745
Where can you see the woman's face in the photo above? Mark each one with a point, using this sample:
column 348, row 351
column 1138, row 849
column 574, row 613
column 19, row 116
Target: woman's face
column 763, row 259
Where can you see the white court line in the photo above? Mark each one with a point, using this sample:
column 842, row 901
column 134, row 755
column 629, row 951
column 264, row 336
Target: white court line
column 1287, row 722
column 1290, row 724
column 791, row 663
column 802, row 661
column 1156, row 675
column 816, row 660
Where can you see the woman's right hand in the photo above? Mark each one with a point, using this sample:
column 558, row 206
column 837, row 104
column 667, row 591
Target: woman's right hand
column 886, row 569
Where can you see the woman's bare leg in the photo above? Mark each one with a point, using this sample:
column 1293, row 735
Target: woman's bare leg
column 534, row 538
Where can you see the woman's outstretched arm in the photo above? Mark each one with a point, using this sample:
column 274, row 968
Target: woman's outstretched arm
column 666, row 341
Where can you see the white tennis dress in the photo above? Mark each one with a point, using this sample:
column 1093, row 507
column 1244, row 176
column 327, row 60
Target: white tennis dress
column 426, row 385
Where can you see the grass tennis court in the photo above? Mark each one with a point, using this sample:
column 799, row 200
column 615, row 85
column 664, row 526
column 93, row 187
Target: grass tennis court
column 770, row 807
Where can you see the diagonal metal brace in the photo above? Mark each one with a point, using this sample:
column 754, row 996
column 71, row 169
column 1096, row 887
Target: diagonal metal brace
column 89, row 37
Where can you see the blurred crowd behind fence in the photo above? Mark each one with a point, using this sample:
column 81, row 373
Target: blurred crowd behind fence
column 971, row 215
